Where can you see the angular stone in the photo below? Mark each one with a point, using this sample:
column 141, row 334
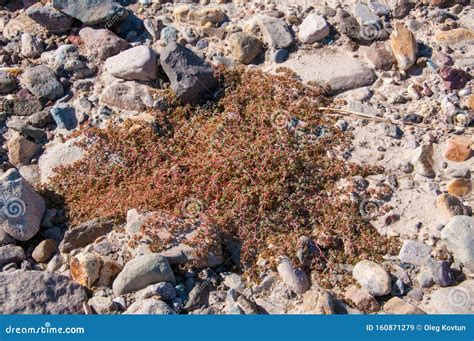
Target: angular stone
column 314, row 28
column 372, row 277
column 457, row 150
column 128, row 96
column 141, row 272
column 423, row 161
column 42, row 82
column 138, row 63
column 22, row 207
column 276, row 32
column 380, row 57
column 85, row 234
column 92, row 12
column 39, row 292
column 11, row 254
column 59, row 154
column 318, row 302
column 458, row 235
column 209, row 15
column 450, row 205
column 362, row 299
column 50, row 18
column 364, row 15
column 151, row 306
column 414, row 252
column 337, row 70
column 85, row 268
column 192, row 79
column 295, row 279
column 31, row 47
column 397, row 306
column 245, row 48
column 102, row 42
column 404, row 46
column 21, row 150
column 460, row 187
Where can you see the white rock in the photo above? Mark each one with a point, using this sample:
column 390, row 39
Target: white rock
column 314, row 28
column 296, row 279
column 458, row 235
column 372, row 277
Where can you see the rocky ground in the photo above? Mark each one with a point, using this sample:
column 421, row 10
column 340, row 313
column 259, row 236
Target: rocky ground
column 399, row 73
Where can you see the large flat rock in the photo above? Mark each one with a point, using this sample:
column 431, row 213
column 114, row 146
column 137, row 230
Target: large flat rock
column 334, row 68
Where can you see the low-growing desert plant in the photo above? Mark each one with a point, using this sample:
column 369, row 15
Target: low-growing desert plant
column 260, row 164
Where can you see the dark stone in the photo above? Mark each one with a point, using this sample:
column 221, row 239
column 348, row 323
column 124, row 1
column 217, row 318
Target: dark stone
column 92, row 12
column 85, row 234
column 51, row 18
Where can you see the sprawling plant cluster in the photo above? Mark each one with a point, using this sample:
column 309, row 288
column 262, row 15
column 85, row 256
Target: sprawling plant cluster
column 260, row 165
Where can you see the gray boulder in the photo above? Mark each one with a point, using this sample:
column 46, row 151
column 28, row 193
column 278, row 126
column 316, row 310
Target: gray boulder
column 42, row 82
column 92, row 12
column 192, row 78
column 141, row 272
column 372, row 277
column 21, row 207
column 11, row 254
column 138, row 63
column 51, row 18
column 38, row 292
column 85, row 234
column 458, row 235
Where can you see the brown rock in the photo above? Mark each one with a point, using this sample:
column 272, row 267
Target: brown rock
column 85, row 268
column 455, row 36
column 404, row 46
column 457, row 149
column 102, row 43
column 362, row 299
column 380, row 57
column 318, row 302
column 245, row 48
column 450, row 205
column 460, row 187
column 44, row 250
column 399, row 307
column 109, row 270
column 470, row 102
column 21, row 150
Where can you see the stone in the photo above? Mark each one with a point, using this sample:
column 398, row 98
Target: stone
column 313, row 29
column 169, row 34
column 192, row 78
column 210, row 15
column 244, row 47
column 22, row 207
column 85, row 234
column 65, row 116
column 362, row 299
column 42, row 82
column 11, row 254
column 163, row 291
column 38, row 292
column 460, row 187
column 458, row 235
column 281, row 56
column 199, row 295
column 22, row 24
column 151, row 306
column 22, row 106
column 404, row 46
column 425, row 278
column 454, row 78
column 318, row 302
column 103, row 305
column 44, row 250
column 85, row 268
column 372, row 277
column 276, row 32
column 31, row 47
column 414, row 252
column 141, row 272
column 379, row 56
column 138, row 63
column 128, row 96
column 5, row 238
column 379, row 9
column 295, row 279
column 423, row 161
column 21, row 150
column 441, row 272
column 453, row 300
column 234, row 281
column 108, row 272
column 457, row 150
column 92, row 12
column 307, row 250
column 450, row 205
column 337, row 70
column 7, row 83
column 58, row 154
column 364, row 15
column 248, row 306
column 349, row 26
column 397, row 306
column 183, row 253
column 50, row 18
column 455, row 36
column 102, row 42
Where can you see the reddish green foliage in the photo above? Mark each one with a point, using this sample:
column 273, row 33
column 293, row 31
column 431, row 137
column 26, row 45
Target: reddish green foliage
column 245, row 165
